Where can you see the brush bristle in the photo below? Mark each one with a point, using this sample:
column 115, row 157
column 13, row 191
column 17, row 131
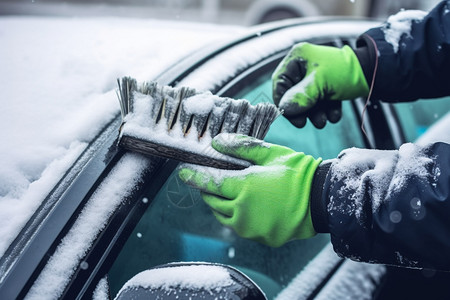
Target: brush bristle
column 192, row 114
column 226, row 115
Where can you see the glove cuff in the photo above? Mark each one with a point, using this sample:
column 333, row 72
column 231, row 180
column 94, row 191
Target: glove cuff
column 355, row 76
column 305, row 228
column 319, row 213
column 367, row 54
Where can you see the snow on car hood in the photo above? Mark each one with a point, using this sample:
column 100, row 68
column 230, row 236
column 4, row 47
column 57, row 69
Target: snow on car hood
column 58, row 80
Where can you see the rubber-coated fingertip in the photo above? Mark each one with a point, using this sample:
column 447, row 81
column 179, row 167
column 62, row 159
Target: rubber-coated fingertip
column 334, row 111
column 298, row 121
column 334, row 115
column 319, row 119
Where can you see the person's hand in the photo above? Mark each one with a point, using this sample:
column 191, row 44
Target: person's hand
column 311, row 75
column 267, row 202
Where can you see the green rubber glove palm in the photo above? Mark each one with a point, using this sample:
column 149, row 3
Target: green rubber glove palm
column 311, row 75
column 267, row 202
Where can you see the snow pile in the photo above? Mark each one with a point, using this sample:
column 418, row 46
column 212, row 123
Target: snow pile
column 201, row 104
column 206, row 277
column 411, row 162
column 224, row 65
column 24, row 197
column 101, row 291
column 67, row 258
column 58, row 78
column 359, row 169
column 400, row 24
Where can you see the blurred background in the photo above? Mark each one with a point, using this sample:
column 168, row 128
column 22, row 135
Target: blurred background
column 234, row 12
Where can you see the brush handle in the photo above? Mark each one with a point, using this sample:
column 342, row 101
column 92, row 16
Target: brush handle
column 149, row 148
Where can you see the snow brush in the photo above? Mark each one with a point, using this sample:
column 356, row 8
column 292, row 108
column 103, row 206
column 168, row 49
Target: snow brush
column 179, row 123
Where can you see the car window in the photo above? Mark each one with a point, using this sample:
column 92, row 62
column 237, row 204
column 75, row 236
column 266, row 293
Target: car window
column 178, row 225
column 417, row 117
column 325, row 143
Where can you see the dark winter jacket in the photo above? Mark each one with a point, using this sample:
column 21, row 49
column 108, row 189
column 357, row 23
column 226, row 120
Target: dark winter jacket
column 393, row 207
column 417, row 65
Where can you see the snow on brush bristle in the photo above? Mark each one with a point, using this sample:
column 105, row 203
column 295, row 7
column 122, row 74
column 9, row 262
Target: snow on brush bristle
column 226, row 115
column 184, row 114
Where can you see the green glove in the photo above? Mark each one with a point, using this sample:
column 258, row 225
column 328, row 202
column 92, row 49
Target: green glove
column 310, row 75
column 267, row 202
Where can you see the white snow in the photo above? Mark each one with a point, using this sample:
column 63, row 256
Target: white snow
column 208, row 277
column 400, row 24
column 272, row 169
column 386, row 170
column 68, row 256
column 299, row 88
column 57, row 79
column 218, row 175
column 101, row 292
column 236, row 140
column 139, row 125
column 411, row 162
column 200, row 104
column 215, row 70
column 19, row 204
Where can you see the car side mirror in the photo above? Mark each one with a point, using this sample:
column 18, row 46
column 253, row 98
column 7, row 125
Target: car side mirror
column 189, row 280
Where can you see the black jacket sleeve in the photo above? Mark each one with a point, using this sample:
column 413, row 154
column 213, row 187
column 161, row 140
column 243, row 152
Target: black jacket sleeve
column 393, row 207
column 411, row 55
column 390, row 207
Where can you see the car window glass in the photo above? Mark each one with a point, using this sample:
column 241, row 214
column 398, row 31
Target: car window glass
column 325, row 143
column 417, row 117
column 179, row 226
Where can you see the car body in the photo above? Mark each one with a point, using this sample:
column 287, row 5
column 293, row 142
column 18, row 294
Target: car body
column 114, row 213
